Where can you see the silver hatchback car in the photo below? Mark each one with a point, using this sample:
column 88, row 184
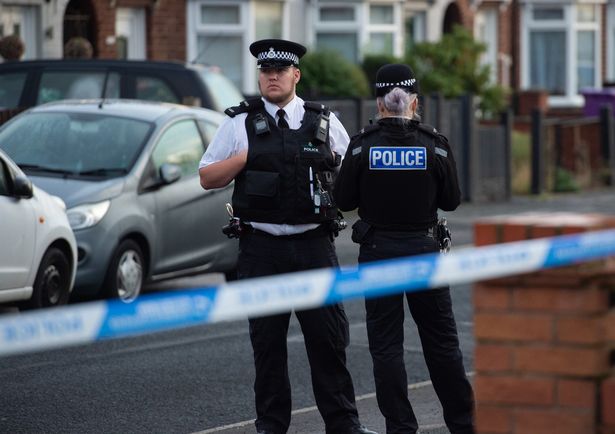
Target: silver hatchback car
column 128, row 173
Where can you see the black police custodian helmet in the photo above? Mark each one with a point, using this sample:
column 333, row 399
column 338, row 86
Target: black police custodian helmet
column 395, row 75
column 276, row 53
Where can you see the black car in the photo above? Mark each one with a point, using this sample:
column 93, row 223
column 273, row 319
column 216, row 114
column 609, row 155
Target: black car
column 25, row 84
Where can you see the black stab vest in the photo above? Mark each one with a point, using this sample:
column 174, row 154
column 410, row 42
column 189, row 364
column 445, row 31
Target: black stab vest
column 399, row 199
column 274, row 186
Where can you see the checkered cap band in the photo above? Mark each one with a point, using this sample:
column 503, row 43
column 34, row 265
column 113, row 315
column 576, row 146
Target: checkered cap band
column 404, row 83
column 272, row 55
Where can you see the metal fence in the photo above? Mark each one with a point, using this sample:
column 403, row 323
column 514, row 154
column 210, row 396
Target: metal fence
column 482, row 151
column 578, row 150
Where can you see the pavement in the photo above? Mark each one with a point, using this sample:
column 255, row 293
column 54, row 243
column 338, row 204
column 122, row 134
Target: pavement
column 422, row 396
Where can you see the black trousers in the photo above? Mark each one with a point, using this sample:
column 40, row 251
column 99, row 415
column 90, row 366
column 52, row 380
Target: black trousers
column 433, row 314
column 325, row 331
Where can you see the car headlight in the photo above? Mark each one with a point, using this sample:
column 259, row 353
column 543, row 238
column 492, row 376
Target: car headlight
column 85, row 216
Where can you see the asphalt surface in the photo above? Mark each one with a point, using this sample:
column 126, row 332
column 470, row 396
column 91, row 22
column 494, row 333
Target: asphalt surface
column 421, row 394
column 198, row 380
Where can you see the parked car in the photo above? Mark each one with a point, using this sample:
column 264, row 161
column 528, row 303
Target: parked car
column 29, row 83
column 128, row 172
column 38, row 251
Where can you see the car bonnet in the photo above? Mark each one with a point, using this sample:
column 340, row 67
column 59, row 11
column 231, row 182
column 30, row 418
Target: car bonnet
column 77, row 191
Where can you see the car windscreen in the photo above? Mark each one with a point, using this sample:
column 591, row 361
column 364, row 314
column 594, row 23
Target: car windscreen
column 223, row 91
column 75, row 144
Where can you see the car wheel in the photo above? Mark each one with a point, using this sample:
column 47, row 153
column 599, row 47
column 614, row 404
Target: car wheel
column 52, row 282
column 124, row 278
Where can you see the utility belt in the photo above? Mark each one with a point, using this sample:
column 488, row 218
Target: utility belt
column 318, row 232
column 362, row 233
column 237, row 229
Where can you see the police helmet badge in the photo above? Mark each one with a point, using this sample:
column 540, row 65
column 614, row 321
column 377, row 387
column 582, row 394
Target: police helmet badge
column 276, row 53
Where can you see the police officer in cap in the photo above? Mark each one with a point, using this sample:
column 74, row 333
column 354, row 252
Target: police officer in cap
column 282, row 152
column 398, row 172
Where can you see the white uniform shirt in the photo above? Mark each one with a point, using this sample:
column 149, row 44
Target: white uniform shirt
column 232, row 138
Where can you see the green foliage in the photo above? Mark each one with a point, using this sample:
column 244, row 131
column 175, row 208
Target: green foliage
column 373, row 62
column 564, row 181
column 452, row 67
column 326, row 73
column 521, row 172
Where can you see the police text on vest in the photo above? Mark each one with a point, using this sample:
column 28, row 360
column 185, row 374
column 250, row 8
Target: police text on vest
column 397, row 158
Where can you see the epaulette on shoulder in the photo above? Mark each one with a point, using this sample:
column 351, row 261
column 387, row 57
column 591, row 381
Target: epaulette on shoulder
column 245, row 106
column 428, row 129
column 432, row 131
column 316, row 106
column 367, row 129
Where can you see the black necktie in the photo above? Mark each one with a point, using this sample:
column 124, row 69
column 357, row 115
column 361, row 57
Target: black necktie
column 281, row 121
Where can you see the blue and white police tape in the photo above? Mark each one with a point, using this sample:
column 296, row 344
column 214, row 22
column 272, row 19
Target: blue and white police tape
column 89, row 322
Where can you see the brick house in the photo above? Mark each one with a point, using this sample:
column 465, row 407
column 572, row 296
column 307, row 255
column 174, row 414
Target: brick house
column 556, row 45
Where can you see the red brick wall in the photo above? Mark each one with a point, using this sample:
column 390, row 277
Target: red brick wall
column 165, row 27
column 543, row 340
column 466, row 13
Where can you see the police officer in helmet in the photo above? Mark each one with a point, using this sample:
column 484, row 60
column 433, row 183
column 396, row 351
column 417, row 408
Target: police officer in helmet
column 282, row 152
column 398, row 172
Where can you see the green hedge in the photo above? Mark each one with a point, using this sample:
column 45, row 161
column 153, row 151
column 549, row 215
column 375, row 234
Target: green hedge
column 326, row 73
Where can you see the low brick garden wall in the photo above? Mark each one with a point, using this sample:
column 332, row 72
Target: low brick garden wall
column 545, row 341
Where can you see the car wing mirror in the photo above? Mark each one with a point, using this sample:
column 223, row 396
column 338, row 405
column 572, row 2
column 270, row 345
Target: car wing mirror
column 169, row 173
column 22, row 187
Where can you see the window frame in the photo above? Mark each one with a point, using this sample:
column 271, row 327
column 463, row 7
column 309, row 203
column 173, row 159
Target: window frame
column 570, row 26
column 361, row 26
column 196, row 29
column 176, row 122
column 245, row 30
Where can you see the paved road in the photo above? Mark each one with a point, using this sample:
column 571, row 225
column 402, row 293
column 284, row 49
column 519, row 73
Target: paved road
column 199, row 379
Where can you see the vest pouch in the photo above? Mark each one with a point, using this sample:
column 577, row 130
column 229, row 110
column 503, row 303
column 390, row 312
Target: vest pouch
column 262, row 189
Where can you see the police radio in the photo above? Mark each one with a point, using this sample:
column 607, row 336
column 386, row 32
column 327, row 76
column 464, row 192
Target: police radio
column 261, row 126
column 322, row 128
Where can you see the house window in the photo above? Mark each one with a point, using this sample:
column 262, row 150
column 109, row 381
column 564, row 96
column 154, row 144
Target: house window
column 548, row 61
column 381, row 14
column 339, row 13
column 219, row 35
column 486, row 31
column 337, row 28
column 561, row 45
column 220, row 31
column 357, row 28
column 415, row 29
column 586, row 57
column 25, row 22
column 610, row 40
column 382, row 29
column 268, row 19
column 219, row 14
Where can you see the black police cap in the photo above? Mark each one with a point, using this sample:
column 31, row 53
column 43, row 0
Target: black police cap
column 395, row 75
column 274, row 53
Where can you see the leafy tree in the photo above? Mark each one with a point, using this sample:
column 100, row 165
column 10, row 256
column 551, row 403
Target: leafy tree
column 452, row 67
column 373, row 62
column 326, row 73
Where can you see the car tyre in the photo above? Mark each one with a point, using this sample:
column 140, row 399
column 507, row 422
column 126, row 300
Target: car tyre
column 124, row 279
column 52, row 282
